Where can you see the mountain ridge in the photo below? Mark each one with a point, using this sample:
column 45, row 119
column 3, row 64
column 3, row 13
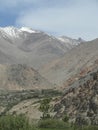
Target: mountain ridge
column 28, row 46
column 72, row 62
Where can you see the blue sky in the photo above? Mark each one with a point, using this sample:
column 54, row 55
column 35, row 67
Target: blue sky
column 74, row 18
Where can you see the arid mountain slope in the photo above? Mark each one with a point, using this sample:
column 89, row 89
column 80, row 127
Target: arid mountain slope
column 21, row 77
column 72, row 63
column 80, row 101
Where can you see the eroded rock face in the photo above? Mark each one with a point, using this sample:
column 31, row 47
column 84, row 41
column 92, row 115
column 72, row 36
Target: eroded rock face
column 81, row 102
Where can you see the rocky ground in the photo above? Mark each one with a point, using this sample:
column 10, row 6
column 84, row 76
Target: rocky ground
column 80, row 101
column 25, row 102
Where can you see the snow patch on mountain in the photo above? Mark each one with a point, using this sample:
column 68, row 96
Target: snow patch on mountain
column 71, row 41
column 9, row 31
column 29, row 30
column 64, row 40
column 15, row 32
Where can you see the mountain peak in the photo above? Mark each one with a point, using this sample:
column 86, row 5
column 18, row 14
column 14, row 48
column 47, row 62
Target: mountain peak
column 10, row 30
column 70, row 42
column 29, row 30
column 14, row 32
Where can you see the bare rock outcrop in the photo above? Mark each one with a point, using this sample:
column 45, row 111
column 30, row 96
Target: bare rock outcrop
column 80, row 101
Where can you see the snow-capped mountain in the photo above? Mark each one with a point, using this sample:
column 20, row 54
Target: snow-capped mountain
column 32, row 47
column 16, row 32
column 70, row 43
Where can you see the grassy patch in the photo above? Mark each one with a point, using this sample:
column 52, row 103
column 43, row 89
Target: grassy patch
column 20, row 122
column 52, row 124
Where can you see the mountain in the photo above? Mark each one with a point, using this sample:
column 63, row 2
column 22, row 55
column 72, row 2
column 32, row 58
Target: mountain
column 70, row 43
column 75, row 62
column 24, row 46
column 35, row 65
column 27, row 46
column 38, row 50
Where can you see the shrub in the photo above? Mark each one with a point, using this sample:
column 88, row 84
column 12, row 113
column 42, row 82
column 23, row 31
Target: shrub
column 65, row 118
column 52, row 123
column 17, row 122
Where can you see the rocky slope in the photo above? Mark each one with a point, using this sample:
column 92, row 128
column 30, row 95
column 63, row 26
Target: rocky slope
column 25, row 102
column 21, row 77
column 80, row 100
column 72, row 63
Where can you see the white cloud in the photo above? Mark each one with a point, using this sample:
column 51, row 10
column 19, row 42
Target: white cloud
column 79, row 19
column 70, row 17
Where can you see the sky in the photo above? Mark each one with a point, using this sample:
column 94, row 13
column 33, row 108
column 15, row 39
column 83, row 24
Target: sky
column 73, row 18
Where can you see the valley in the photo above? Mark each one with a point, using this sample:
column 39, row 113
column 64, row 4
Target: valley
column 35, row 66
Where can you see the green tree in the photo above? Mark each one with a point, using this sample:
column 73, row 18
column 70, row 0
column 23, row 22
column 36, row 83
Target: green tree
column 45, row 108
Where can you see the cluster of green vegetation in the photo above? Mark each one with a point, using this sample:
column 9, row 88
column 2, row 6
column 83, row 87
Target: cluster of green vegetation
column 52, row 124
column 20, row 122
column 46, row 122
column 17, row 122
column 45, row 108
